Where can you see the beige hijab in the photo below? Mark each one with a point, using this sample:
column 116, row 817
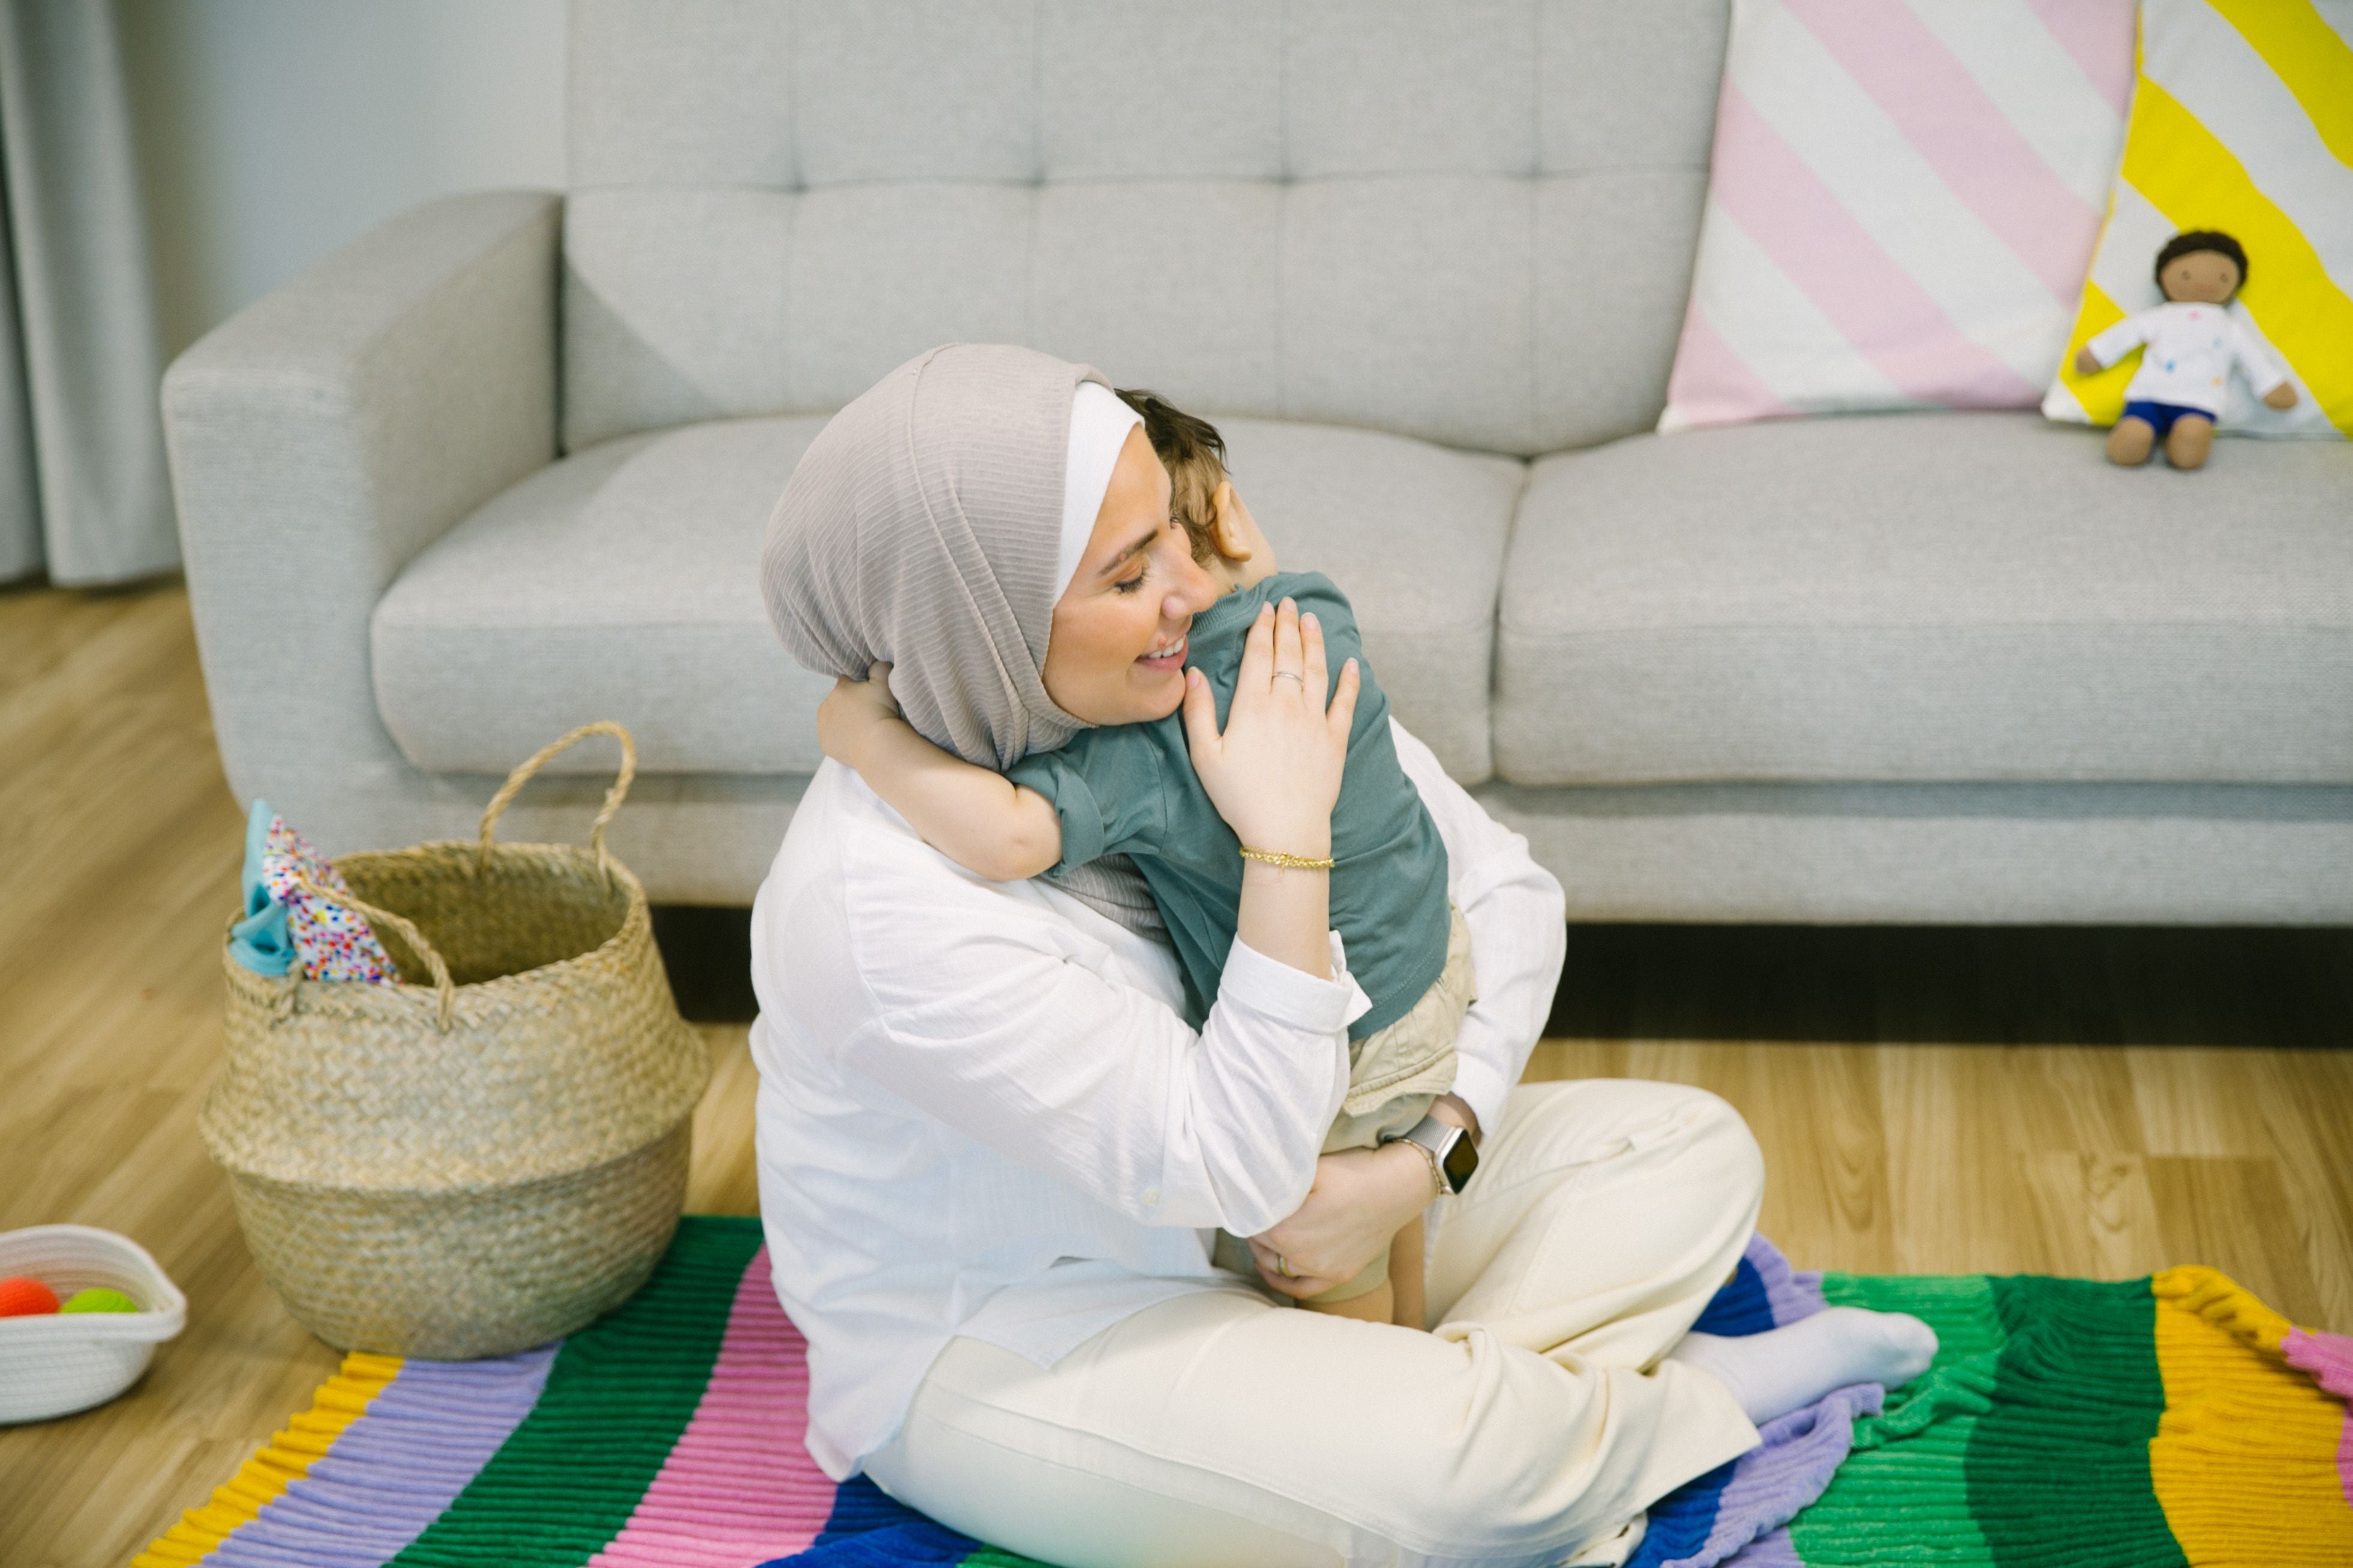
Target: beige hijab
column 922, row 528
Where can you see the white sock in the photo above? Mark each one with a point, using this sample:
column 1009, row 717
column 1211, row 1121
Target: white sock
column 1789, row 1368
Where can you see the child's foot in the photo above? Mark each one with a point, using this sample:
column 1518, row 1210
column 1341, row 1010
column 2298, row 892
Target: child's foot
column 1789, row 1368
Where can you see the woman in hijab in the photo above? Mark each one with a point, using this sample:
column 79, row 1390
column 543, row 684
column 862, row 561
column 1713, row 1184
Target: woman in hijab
column 993, row 1155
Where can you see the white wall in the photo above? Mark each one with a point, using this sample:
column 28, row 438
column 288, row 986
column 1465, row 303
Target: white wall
column 273, row 132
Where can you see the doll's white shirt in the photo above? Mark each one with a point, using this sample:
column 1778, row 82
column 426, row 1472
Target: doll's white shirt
column 981, row 1112
column 2190, row 350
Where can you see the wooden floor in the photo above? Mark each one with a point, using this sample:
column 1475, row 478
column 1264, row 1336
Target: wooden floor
column 2095, row 1103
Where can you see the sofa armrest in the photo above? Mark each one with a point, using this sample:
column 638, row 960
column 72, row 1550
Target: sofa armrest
column 323, row 436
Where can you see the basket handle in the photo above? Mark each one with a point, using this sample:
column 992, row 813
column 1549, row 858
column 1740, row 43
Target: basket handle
column 530, row 766
column 444, row 987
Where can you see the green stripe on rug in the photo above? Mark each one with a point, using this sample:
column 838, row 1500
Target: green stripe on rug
column 2058, row 1471
column 619, row 1395
column 2025, row 1445
column 1908, row 1501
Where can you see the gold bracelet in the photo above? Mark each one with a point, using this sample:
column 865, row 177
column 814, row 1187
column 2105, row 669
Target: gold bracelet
column 1288, row 862
column 1436, row 1171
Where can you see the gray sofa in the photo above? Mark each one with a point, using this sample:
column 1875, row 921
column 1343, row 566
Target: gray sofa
column 504, row 464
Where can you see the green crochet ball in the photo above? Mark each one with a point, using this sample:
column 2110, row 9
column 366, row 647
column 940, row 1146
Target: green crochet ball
column 98, row 1298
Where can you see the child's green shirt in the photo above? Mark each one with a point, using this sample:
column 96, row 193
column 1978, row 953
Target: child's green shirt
column 1130, row 789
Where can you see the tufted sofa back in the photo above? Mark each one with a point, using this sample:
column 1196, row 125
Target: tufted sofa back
column 1466, row 220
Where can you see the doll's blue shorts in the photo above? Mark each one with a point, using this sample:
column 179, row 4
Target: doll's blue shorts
column 2160, row 416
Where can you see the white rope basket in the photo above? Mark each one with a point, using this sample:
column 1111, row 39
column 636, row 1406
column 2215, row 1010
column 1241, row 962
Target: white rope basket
column 55, row 1363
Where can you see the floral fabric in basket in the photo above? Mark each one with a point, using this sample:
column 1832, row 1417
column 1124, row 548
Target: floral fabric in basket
column 286, row 924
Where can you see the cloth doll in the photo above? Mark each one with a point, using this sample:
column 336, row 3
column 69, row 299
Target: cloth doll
column 2190, row 346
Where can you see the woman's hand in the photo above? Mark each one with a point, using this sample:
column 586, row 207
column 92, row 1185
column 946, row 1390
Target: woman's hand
column 851, row 711
column 1274, row 773
column 1362, row 1197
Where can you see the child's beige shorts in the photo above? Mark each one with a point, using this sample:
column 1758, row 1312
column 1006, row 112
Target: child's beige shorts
column 1393, row 1077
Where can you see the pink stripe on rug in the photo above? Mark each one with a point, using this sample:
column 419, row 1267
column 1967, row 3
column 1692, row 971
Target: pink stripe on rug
column 1962, row 133
column 2100, row 35
column 2329, row 1359
column 1767, row 189
column 1712, row 384
column 739, row 1487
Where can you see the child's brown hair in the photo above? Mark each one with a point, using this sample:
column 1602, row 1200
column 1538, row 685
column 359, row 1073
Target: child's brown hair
column 1195, row 456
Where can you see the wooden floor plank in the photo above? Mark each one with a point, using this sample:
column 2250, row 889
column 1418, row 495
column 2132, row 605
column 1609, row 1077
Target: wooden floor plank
column 2202, row 1208
column 722, row 1180
column 2093, row 1214
column 2096, row 1103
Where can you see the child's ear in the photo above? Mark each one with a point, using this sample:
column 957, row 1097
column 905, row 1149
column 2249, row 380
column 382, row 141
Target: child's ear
column 1230, row 523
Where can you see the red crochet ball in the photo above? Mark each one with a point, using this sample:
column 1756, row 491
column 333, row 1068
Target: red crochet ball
column 23, row 1298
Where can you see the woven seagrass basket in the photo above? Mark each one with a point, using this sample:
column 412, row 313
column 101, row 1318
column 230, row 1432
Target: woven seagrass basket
column 493, row 1151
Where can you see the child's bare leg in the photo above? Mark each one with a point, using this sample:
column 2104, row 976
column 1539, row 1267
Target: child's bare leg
column 1368, row 1297
column 1374, row 1306
column 1405, row 1277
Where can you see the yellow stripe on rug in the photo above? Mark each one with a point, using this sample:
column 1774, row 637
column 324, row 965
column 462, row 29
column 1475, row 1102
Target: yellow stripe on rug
column 341, row 1400
column 2245, row 1461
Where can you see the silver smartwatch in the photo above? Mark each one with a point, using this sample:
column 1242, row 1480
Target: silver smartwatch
column 1449, row 1148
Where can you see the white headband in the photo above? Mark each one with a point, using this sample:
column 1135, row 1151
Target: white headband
column 1099, row 425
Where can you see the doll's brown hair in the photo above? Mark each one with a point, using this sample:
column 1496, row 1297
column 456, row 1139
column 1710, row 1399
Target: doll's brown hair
column 1195, row 456
column 2195, row 240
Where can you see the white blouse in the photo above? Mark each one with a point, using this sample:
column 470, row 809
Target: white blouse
column 981, row 1112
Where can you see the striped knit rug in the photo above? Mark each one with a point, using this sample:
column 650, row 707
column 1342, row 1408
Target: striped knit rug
column 2173, row 1420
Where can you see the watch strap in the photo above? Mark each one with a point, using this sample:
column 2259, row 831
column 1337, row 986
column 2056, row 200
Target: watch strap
column 1453, row 1157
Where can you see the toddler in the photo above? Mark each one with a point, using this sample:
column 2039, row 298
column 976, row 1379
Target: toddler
column 1130, row 789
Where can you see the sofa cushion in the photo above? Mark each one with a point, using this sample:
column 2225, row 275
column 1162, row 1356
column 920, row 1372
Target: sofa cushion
column 1926, row 597
column 623, row 583
column 620, row 583
column 1414, row 535
column 1387, row 213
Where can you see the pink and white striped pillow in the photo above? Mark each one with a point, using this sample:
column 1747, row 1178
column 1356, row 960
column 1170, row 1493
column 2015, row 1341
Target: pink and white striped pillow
column 1904, row 198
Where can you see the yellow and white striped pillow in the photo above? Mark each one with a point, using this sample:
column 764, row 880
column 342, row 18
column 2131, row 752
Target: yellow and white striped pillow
column 2241, row 121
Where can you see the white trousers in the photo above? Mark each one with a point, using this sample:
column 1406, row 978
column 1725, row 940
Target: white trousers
column 1531, row 1426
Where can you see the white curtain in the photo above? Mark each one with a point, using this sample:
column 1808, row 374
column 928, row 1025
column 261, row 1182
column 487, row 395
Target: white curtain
column 84, row 494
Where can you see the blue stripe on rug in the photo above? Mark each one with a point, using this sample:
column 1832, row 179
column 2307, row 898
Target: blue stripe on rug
column 1682, row 1521
column 868, row 1528
column 1741, row 1307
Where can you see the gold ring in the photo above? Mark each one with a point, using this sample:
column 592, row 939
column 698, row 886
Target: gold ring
column 1282, row 1267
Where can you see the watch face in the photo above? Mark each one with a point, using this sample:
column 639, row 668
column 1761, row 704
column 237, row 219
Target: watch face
column 1460, row 1161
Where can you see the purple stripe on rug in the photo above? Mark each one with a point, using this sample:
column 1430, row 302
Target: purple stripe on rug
column 1801, row 1453
column 1771, row 1550
column 395, row 1469
column 1793, row 1294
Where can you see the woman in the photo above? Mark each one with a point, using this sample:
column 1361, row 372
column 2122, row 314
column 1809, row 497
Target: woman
column 992, row 1154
